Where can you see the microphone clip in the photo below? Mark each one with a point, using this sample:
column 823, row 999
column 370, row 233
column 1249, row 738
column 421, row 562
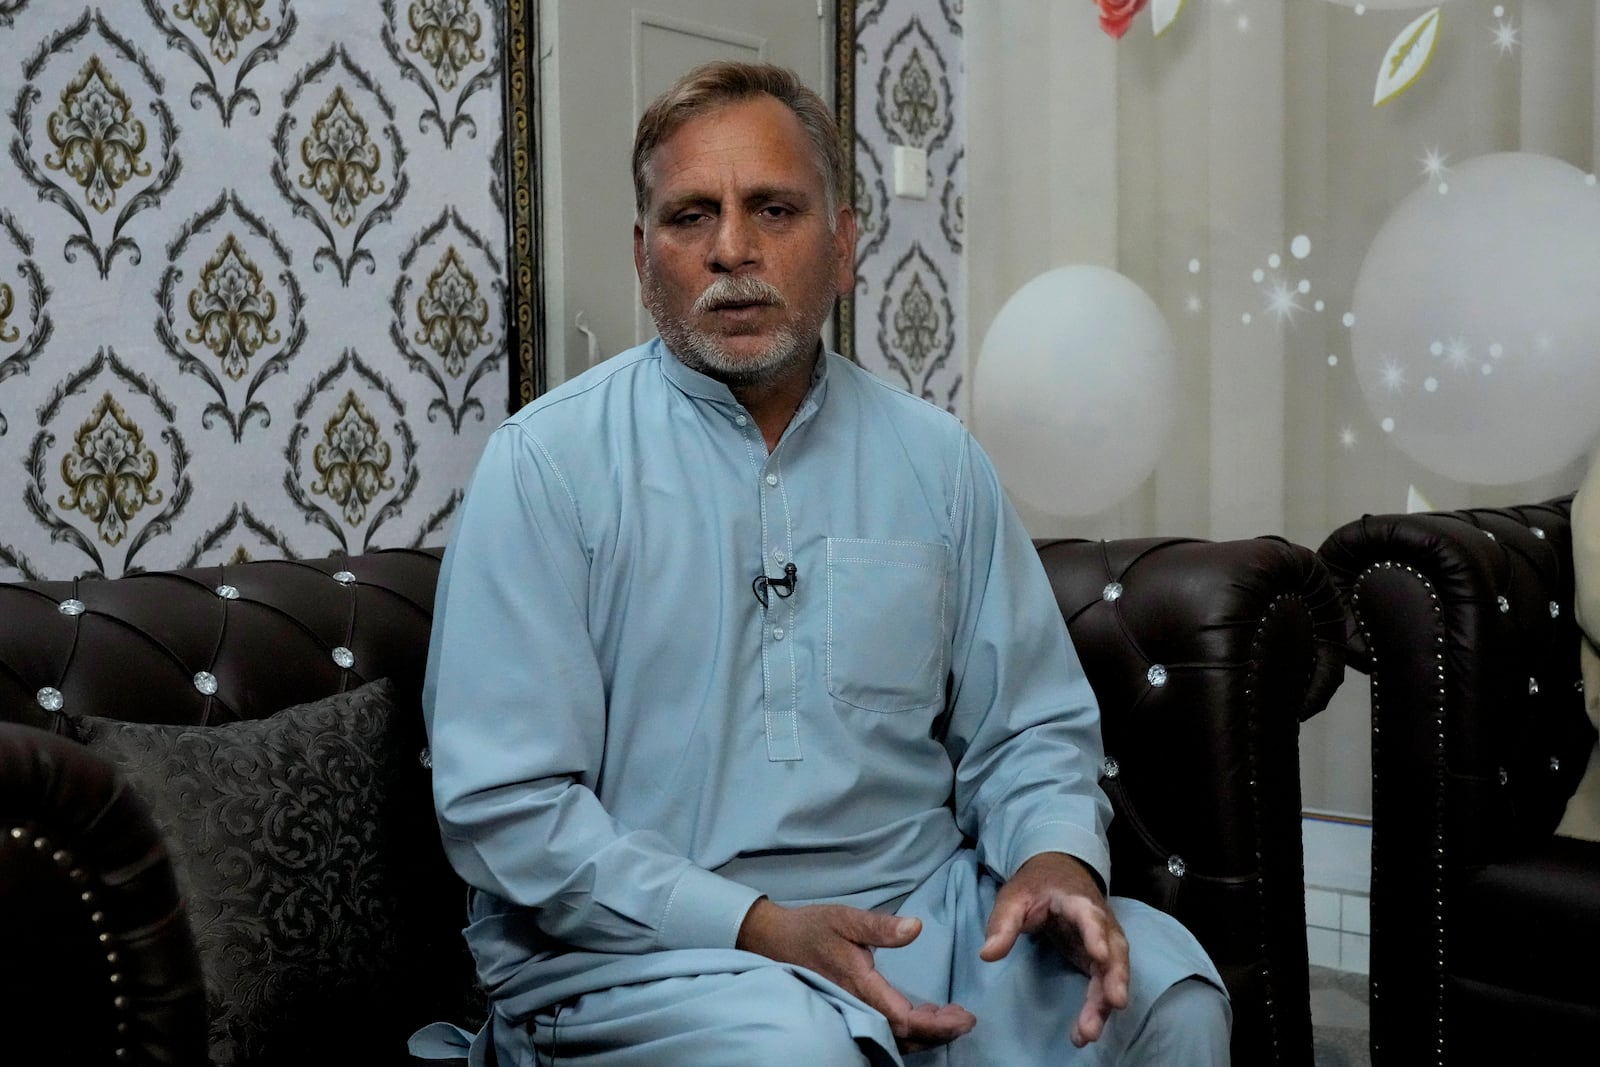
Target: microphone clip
column 783, row 586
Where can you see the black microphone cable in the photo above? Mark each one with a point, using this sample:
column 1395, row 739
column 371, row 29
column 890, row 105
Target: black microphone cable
column 783, row 586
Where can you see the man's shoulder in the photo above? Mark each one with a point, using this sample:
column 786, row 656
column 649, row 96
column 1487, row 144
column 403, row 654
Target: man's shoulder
column 578, row 397
column 890, row 402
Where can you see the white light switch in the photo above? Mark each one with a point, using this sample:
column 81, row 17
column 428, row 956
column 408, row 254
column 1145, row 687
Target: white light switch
column 910, row 172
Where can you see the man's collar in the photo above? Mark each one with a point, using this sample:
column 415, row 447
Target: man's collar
column 689, row 380
column 697, row 384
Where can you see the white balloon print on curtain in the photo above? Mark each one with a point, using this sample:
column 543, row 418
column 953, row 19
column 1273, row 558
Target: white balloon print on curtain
column 1076, row 388
column 1476, row 325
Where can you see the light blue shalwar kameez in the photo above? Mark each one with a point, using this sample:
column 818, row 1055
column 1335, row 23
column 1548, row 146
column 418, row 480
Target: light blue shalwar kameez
column 629, row 748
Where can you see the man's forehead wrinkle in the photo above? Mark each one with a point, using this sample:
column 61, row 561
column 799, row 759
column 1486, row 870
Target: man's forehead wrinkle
column 723, row 149
column 702, row 154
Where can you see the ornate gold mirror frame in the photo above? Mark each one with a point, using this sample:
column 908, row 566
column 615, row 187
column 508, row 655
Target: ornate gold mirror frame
column 525, row 312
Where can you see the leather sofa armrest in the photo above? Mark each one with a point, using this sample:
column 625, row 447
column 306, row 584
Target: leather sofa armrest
column 1206, row 656
column 1464, row 622
column 100, row 964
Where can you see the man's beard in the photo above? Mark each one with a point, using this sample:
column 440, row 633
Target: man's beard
column 791, row 344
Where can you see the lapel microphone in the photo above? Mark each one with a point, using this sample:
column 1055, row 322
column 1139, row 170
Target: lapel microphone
column 784, row 586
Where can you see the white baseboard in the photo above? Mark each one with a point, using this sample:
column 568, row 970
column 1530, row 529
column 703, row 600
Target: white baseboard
column 1338, row 851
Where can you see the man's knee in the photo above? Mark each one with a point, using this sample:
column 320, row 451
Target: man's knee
column 1190, row 1023
column 765, row 1016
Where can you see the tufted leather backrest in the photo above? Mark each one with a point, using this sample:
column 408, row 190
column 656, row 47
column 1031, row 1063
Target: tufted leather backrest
column 214, row 644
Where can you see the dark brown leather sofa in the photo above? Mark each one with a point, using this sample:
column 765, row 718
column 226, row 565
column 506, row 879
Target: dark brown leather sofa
column 1485, row 925
column 1206, row 657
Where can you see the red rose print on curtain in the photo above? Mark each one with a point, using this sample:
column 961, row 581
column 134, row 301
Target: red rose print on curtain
column 1117, row 15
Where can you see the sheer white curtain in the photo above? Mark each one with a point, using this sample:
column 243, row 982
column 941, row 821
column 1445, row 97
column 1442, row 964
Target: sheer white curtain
column 1237, row 170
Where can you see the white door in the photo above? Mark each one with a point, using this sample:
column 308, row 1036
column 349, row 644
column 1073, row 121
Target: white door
column 604, row 61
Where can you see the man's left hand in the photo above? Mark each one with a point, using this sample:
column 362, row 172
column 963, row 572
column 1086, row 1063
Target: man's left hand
column 1054, row 894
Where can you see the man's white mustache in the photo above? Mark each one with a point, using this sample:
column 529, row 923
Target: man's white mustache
column 733, row 289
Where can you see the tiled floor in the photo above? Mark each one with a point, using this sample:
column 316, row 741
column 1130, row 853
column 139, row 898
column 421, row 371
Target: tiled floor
column 1339, row 1018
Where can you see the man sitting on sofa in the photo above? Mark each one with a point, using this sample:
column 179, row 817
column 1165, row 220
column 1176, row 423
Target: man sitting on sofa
column 755, row 727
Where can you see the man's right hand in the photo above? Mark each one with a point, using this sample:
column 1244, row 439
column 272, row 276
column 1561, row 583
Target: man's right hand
column 836, row 942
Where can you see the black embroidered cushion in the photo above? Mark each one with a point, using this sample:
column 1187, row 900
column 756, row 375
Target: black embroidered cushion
column 288, row 836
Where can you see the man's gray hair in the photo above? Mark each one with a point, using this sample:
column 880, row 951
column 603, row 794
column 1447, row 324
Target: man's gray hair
column 715, row 84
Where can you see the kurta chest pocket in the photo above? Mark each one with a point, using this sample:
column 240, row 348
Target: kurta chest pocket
column 887, row 649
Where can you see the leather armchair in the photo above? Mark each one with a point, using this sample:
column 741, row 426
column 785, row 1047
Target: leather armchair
column 1205, row 656
column 1485, row 925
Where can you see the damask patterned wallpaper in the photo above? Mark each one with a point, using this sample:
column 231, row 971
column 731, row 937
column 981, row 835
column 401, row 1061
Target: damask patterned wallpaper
column 252, row 263
column 909, row 304
column 253, row 267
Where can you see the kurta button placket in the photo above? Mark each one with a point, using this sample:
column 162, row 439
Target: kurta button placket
column 780, row 692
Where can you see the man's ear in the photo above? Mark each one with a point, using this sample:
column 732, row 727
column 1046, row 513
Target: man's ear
column 844, row 237
column 638, row 251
